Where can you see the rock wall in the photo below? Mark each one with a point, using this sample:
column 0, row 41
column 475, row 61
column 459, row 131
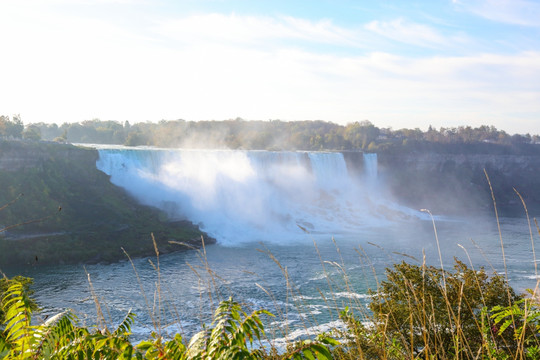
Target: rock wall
column 452, row 183
column 21, row 155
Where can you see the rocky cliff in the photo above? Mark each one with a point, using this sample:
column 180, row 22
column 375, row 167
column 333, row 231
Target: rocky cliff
column 453, row 183
column 22, row 155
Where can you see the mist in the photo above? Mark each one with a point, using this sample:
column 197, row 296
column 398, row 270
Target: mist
column 245, row 196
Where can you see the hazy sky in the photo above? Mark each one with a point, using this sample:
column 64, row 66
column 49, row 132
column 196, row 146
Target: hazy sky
column 396, row 63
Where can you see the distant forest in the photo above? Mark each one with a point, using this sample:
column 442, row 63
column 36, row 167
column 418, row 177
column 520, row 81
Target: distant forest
column 277, row 135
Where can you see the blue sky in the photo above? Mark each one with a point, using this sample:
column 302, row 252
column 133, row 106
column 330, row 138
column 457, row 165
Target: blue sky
column 396, row 63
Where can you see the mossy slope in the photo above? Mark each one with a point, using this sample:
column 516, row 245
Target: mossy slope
column 96, row 220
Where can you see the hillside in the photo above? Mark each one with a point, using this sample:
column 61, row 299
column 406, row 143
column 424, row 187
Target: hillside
column 82, row 216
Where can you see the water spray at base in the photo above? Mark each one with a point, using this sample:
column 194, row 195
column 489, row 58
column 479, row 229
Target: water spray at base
column 241, row 196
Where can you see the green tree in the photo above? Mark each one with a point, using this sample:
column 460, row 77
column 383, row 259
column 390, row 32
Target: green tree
column 135, row 139
column 361, row 134
column 62, row 138
column 16, row 127
column 32, row 132
column 11, row 128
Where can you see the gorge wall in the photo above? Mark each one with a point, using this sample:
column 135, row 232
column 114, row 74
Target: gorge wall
column 453, row 183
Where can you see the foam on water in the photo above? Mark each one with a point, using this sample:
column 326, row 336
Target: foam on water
column 239, row 196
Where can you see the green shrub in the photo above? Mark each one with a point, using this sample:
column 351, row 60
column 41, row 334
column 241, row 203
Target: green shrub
column 425, row 311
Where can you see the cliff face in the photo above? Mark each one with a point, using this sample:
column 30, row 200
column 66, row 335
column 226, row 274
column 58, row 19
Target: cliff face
column 96, row 220
column 453, row 183
column 506, row 164
column 20, row 155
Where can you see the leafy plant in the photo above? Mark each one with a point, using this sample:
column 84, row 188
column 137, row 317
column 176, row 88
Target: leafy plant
column 232, row 335
column 522, row 319
column 25, row 282
column 59, row 338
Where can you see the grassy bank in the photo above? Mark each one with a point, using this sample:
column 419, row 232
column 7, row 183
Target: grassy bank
column 61, row 209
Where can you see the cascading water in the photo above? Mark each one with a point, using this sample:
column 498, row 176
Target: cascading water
column 371, row 166
column 239, row 196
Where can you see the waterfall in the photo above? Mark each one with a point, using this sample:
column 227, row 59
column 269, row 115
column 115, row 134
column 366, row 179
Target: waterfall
column 370, row 166
column 239, row 196
column 329, row 169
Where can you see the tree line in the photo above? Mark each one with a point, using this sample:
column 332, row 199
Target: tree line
column 276, row 135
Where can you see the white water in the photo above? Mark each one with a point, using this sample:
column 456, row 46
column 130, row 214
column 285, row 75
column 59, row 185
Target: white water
column 240, row 196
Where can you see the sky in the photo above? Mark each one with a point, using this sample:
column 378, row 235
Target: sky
column 398, row 64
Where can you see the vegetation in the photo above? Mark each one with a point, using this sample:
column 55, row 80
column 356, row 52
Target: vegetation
column 279, row 135
column 423, row 312
column 11, row 128
column 25, row 283
column 435, row 312
column 97, row 219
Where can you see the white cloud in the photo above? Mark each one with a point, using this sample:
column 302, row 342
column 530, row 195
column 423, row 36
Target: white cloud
column 265, row 31
column 292, row 84
column 253, row 29
column 516, row 12
column 215, row 66
column 408, row 32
